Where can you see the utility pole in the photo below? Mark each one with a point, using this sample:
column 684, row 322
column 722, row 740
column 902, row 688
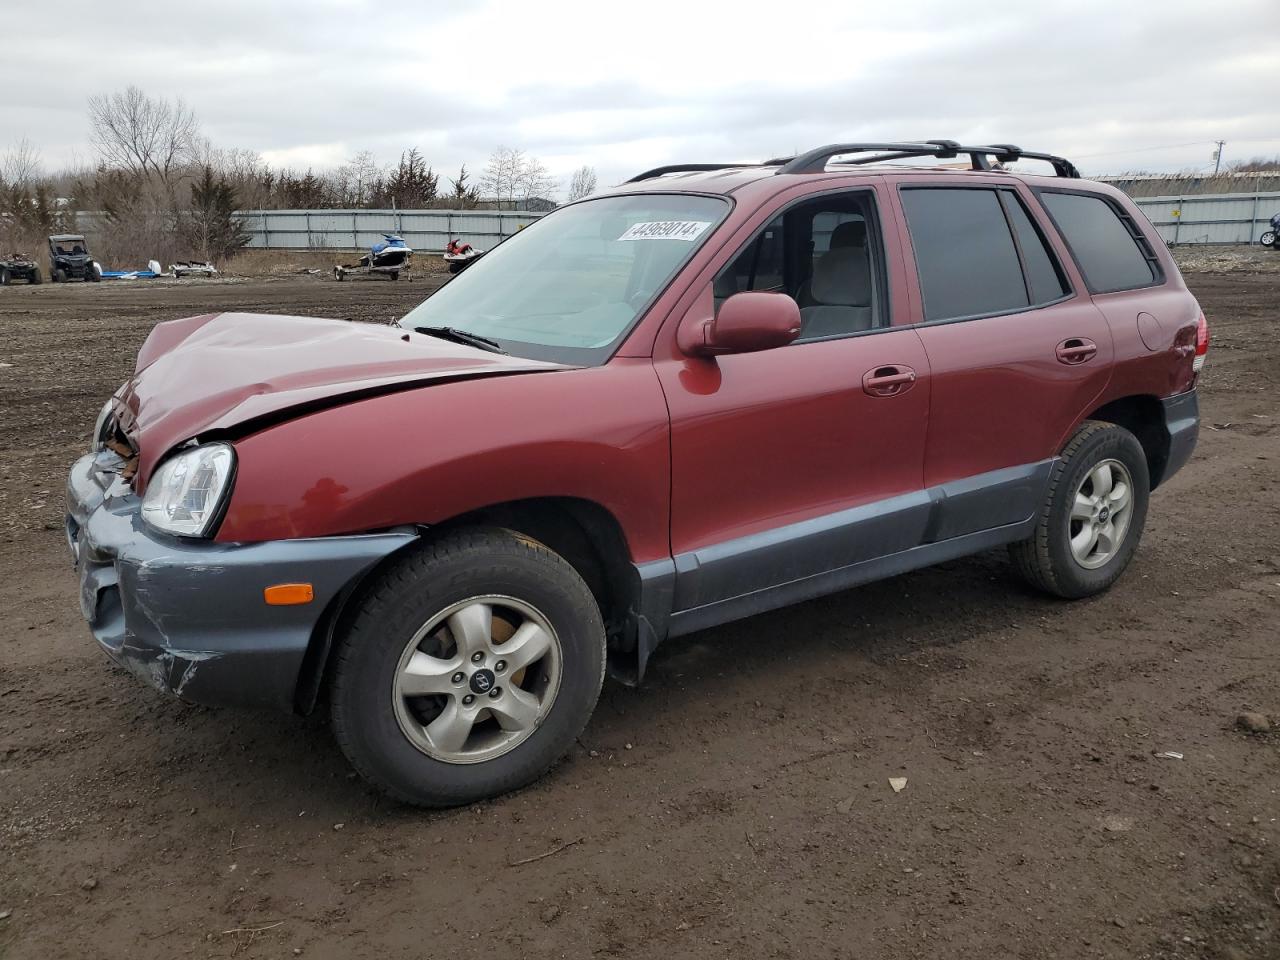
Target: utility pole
column 1217, row 156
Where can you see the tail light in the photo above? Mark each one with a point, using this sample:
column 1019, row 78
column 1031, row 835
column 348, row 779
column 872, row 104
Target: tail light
column 1202, row 343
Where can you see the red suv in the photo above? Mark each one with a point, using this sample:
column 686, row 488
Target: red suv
column 713, row 391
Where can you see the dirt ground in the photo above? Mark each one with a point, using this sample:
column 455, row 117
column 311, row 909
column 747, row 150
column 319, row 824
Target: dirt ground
column 738, row 804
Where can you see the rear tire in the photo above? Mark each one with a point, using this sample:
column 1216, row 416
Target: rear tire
column 410, row 634
column 1099, row 487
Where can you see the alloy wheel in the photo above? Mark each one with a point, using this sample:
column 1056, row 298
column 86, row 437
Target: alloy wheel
column 1100, row 514
column 477, row 679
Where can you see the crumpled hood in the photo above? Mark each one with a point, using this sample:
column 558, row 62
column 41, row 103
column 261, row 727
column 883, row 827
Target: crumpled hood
column 222, row 371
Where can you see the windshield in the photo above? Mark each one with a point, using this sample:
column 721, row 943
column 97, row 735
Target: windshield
column 569, row 286
column 69, row 246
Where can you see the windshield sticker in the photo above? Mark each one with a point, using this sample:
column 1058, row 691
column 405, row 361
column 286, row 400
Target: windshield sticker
column 666, row 230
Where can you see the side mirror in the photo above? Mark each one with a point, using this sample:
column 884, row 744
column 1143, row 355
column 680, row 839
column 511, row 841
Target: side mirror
column 747, row 322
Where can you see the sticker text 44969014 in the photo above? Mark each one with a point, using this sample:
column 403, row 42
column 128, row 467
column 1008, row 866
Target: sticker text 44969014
column 666, row 230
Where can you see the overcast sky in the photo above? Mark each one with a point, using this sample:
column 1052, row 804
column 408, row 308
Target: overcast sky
column 1115, row 85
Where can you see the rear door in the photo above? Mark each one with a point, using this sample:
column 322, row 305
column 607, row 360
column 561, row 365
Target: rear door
column 1016, row 352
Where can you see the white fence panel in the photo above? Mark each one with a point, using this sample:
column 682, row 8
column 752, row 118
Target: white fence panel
column 425, row 230
column 1203, row 218
column 1211, row 218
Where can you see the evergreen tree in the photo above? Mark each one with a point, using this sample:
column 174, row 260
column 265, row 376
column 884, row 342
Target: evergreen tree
column 212, row 227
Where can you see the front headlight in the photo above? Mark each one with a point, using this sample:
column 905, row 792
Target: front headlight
column 186, row 492
column 100, row 428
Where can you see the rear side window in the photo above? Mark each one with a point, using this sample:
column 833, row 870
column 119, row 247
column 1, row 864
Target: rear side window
column 1110, row 250
column 965, row 254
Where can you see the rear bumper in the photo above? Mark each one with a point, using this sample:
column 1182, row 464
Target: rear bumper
column 188, row 617
column 1182, row 420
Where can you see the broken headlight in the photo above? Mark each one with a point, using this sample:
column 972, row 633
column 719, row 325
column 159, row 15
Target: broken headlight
column 100, row 427
column 186, row 493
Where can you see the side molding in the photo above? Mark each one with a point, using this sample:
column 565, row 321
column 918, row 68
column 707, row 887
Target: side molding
column 739, row 578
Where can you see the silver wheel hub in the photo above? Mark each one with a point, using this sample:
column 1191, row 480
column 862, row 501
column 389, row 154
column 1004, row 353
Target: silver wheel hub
column 477, row 679
column 1100, row 514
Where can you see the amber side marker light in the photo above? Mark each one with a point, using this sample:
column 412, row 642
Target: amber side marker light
column 288, row 594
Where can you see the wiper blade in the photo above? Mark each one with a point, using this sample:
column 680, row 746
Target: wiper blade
column 461, row 336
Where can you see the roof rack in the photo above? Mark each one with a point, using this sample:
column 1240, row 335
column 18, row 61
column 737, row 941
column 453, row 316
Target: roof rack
column 815, row 161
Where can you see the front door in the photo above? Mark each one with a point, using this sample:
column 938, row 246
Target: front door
column 797, row 461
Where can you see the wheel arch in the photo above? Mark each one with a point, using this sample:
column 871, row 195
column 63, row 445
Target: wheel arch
column 1143, row 416
column 585, row 533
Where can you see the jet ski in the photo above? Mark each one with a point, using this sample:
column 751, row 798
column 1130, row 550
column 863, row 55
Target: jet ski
column 389, row 256
column 459, row 254
column 391, row 252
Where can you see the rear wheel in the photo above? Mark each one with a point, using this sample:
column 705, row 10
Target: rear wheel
column 1268, row 239
column 1090, row 524
column 468, row 670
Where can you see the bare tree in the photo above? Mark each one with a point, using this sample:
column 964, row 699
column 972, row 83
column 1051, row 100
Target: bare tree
column 512, row 175
column 533, row 181
column 500, row 180
column 20, row 164
column 147, row 136
column 582, row 183
column 359, row 179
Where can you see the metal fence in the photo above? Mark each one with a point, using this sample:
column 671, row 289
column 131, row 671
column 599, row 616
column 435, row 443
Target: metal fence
column 1206, row 218
column 425, row 230
column 1211, row 218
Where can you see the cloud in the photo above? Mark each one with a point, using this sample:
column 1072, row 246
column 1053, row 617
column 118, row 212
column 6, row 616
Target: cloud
column 625, row 88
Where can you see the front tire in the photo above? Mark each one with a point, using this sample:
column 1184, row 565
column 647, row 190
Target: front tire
column 468, row 670
column 1092, row 520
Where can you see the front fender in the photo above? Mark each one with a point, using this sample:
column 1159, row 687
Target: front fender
column 423, row 456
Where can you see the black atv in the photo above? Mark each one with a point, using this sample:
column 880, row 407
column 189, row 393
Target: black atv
column 69, row 259
column 1271, row 238
column 19, row 267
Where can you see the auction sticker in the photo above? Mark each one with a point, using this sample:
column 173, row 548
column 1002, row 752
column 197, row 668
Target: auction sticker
column 666, row 230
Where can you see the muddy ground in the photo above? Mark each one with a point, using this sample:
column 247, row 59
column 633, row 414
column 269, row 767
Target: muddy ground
column 738, row 804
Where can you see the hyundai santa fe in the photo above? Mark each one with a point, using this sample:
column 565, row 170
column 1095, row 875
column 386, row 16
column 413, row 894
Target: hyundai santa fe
column 712, row 391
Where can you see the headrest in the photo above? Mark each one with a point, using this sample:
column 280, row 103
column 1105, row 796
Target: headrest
column 842, row 277
column 851, row 233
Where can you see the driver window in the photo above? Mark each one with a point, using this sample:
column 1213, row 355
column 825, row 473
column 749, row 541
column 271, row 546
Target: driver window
column 826, row 254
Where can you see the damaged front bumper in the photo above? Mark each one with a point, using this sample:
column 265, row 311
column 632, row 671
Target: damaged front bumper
column 188, row 616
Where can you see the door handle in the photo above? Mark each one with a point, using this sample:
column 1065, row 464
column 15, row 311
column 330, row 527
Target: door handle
column 888, row 381
column 1076, row 350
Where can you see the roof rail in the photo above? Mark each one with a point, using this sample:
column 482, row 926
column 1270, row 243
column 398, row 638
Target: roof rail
column 687, row 168
column 815, row 161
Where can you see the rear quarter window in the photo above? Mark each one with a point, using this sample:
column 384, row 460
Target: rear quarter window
column 1110, row 250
